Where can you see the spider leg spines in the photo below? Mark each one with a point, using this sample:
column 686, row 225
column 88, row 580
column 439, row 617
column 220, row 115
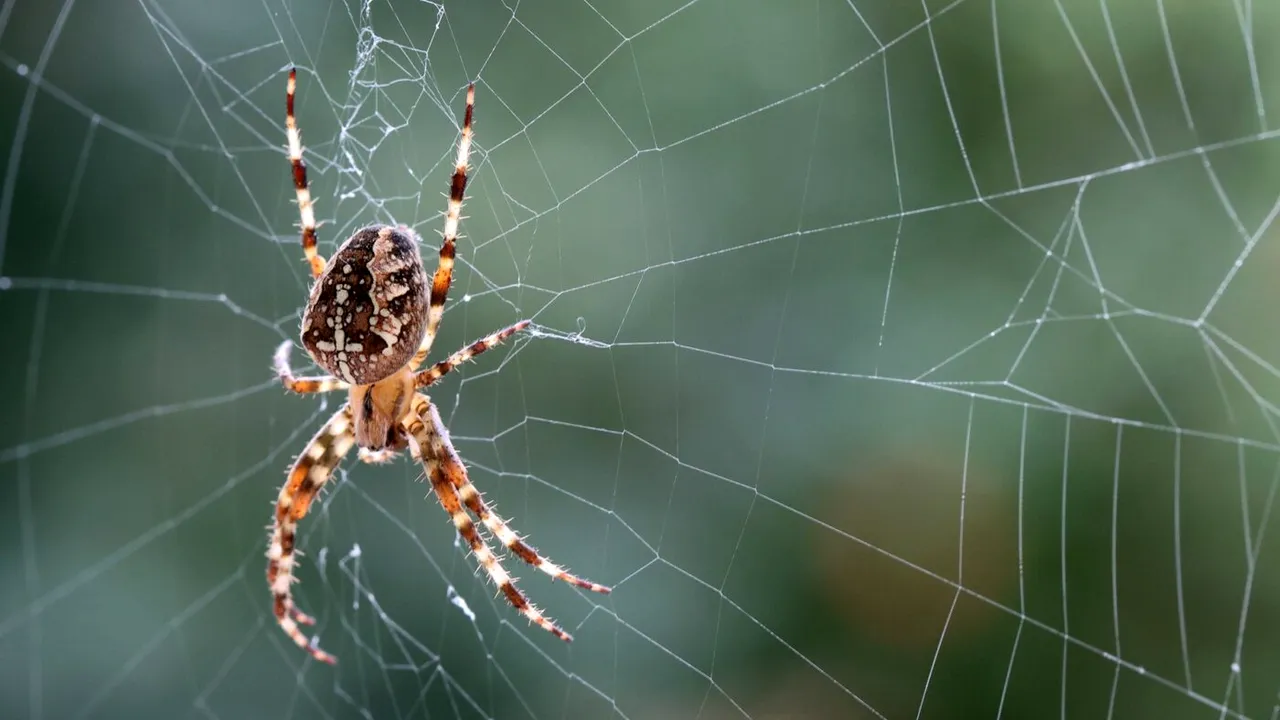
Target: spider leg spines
column 310, row 471
column 429, row 376
column 453, row 212
column 306, row 211
column 446, row 473
column 304, row 385
column 498, row 527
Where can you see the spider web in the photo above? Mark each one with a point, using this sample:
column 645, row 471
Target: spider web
column 890, row 360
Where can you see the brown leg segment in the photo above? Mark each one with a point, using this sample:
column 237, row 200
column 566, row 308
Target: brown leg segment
column 443, row 465
column 312, row 469
column 429, row 376
column 453, row 214
column 302, row 385
column 305, row 207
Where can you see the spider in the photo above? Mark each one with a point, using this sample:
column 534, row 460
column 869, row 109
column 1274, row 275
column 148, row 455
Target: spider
column 370, row 321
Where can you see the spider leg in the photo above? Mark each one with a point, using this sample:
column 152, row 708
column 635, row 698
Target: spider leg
column 301, row 385
column 429, row 376
column 453, row 213
column 305, row 208
column 442, row 465
column 498, row 527
column 312, row 469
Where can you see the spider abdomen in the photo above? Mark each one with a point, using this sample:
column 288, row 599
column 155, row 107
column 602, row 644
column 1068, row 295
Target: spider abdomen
column 367, row 312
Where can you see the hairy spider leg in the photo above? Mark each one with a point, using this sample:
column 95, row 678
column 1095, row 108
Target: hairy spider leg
column 306, row 208
column 311, row 470
column 446, row 473
column 471, row 497
column 452, row 215
column 427, row 377
column 301, row 385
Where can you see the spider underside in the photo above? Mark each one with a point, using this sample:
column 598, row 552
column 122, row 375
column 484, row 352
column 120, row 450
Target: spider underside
column 370, row 321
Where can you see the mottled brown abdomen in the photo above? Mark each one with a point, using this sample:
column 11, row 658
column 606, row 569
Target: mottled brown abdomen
column 367, row 312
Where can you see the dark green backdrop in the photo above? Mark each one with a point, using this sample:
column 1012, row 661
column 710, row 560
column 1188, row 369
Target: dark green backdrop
column 891, row 359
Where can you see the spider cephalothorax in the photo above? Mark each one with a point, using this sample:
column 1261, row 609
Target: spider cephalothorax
column 365, row 319
column 370, row 322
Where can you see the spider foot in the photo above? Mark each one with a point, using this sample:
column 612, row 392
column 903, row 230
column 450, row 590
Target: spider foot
column 309, row 644
column 586, row 584
column 536, row 617
column 531, row 556
column 301, row 617
column 319, row 654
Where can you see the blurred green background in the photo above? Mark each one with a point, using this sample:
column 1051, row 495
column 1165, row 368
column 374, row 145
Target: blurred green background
column 890, row 359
